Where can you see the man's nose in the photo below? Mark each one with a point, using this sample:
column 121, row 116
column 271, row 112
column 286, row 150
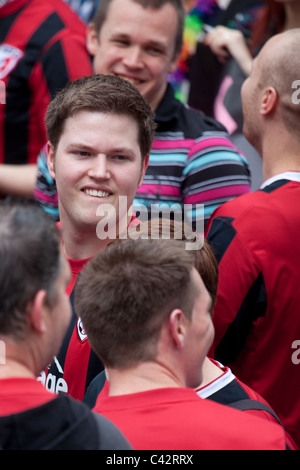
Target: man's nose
column 100, row 168
column 133, row 57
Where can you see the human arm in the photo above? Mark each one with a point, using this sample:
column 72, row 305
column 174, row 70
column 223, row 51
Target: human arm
column 225, row 42
column 62, row 59
column 241, row 298
column 216, row 172
column 45, row 191
column 18, row 180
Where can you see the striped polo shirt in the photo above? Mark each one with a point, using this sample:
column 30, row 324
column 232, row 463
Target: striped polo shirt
column 193, row 165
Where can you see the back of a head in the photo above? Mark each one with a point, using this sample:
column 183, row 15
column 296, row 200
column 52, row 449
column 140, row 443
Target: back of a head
column 281, row 69
column 29, row 259
column 101, row 15
column 205, row 260
column 125, row 294
column 103, row 94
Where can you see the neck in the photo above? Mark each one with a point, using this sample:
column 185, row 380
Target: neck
column 274, row 166
column 84, row 242
column 279, row 150
column 13, row 369
column 157, row 99
column 140, row 378
column 292, row 15
column 210, row 372
column 21, row 358
column 79, row 246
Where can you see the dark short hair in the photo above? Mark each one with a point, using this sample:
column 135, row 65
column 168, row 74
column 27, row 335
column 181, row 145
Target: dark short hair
column 103, row 94
column 205, row 260
column 101, row 15
column 127, row 291
column 30, row 260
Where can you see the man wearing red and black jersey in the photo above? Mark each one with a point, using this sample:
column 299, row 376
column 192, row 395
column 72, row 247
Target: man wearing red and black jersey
column 42, row 48
column 100, row 131
column 34, row 315
column 256, row 241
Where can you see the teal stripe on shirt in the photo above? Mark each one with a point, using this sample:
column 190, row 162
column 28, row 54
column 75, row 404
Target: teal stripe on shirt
column 168, row 157
column 147, row 202
column 196, row 213
column 214, row 157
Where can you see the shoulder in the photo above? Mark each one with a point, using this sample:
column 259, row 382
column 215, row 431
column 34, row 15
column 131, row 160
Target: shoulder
column 260, row 205
column 195, row 123
column 88, row 429
column 109, row 435
column 174, row 116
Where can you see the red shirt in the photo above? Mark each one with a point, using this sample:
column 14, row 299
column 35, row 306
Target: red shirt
column 257, row 313
column 176, row 418
column 20, row 394
column 42, row 48
column 76, row 364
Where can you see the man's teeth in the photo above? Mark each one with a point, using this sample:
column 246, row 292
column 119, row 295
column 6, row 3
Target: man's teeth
column 133, row 81
column 94, row 192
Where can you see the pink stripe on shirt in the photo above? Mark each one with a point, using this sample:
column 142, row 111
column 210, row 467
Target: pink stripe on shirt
column 162, row 190
column 43, row 197
column 171, row 144
column 217, row 193
column 211, row 142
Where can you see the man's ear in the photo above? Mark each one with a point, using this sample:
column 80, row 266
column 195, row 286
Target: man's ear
column 269, row 101
column 50, row 159
column 174, row 63
column 36, row 312
column 144, row 169
column 92, row 40
column 178, row 327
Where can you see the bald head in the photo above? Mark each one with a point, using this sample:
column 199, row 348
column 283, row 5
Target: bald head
column 280, row 68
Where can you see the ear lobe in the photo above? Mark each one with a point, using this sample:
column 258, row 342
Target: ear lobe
column 269, row 101
column 50, row 159
column 177, row 322
column 92, row 41
column 174, row 64
column 144, row 169
column 36, row 312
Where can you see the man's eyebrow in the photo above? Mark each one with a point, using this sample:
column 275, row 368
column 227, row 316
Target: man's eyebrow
column 89, row 148
column 80, row 145
column 158, row 44
column 125, row 150
column 151, row 42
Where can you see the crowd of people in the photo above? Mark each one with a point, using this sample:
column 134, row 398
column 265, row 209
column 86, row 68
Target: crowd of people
column 148, row 288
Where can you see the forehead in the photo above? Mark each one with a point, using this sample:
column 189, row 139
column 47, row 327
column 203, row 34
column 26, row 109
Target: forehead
column 267, row 54
column 133, row 19
column 201, row 291
column 91, row 127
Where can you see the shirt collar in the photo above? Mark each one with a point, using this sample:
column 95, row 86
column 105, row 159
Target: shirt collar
column 168, row 108
column 287, row 175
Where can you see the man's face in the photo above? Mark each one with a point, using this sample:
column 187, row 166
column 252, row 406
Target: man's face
column 97, row 160
column 251, row 94
column 137, row 44
column 200, row 333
